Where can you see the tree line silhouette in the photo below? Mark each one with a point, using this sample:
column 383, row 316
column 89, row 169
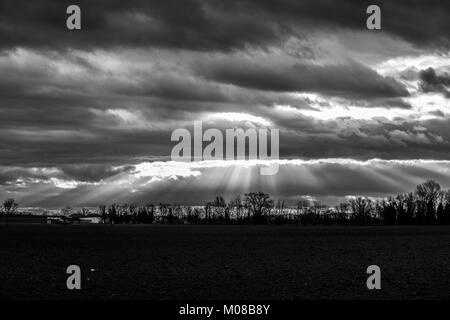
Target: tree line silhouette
column 426, row 205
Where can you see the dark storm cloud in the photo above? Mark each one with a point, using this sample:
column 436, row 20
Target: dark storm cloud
column 9, row 175
column 93, row 172
column 190, row 24
column 90, row 173
column 394, row 103
column 306, row 137
column 437, row 113
column 37, row 78
column 350, row 79
column 210, row 25
column 431, row 82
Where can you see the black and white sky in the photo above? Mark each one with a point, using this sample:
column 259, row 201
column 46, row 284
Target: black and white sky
column 86, row 116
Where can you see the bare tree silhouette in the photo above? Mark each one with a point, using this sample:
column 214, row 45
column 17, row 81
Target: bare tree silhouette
column 427, row 195
column 102, row 212
column 237, row 203
column 10, row 206
column 259, row 204
column 361, row 209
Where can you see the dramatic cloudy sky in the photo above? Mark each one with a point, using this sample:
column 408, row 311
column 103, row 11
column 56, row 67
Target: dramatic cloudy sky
column 86, row 116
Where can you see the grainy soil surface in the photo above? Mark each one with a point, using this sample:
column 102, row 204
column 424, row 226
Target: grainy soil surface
column 223, row 262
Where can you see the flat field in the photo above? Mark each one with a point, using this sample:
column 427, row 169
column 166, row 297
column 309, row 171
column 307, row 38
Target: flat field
column 223, row 262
